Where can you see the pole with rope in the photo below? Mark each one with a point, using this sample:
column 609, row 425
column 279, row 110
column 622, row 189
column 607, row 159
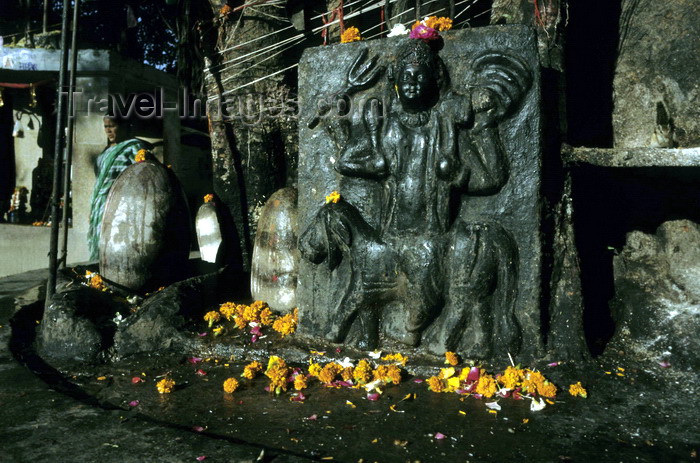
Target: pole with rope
column 69, row 135
column 58, row 151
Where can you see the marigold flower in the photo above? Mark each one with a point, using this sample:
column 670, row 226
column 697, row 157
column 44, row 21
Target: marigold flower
column 351, row 34
column 347, row 373
column 329, row 372
column 251, row 370
column 397, row 357
column 140, row 155
column 251, row 313
column 287, row 324
column 212, row 317
column 228, row 309
column 208, row 198
column 533, row 380
column 277, row 371
column 451, row 358
column 225, row 10
column 578, row 390
column 315, row 369
column 95, row 280
column 300, row 382
column 511, row 377
column 266, row 317
column 240, row 322
column 230, row 385
column 362, row 372
column 436, row 384
column 440, row 24
column 333, row 197
column 165, row 386
column 547, row 389
column 486, row 386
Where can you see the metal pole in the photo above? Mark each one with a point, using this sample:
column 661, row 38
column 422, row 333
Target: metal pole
column 67, row 200
column 45, row 21
column 418, row 18
column 57, row 157
column 452, row 9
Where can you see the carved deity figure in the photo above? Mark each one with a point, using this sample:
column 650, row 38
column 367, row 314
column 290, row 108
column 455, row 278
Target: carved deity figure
column 423, row 275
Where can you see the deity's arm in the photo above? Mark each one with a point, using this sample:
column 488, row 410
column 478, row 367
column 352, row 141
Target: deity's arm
column 488, row 164
column 363, row 156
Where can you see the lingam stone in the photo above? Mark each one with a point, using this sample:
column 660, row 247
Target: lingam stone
column 434, row 149
column 275, row 264
column 209, row 236
column 145, row 237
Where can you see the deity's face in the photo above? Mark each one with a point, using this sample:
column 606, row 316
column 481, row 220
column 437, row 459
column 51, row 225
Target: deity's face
column 416, row 86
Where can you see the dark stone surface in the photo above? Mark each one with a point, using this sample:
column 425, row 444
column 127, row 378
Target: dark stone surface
column 657, row 295
column 440, row 214
column 78, row 321
column 565, row 334
column 145, row 238
column 158, row 324
column 275, row 266
column 657, row 83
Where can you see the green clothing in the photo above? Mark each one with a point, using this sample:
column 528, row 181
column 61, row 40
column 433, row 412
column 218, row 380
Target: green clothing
column 110, row 164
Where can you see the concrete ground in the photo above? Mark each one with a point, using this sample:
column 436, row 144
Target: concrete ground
column 87, row 413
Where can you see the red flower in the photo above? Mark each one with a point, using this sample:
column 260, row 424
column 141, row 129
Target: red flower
column 424, row 33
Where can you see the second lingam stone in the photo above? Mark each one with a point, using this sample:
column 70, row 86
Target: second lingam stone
column 434, row 148
column 275, row 265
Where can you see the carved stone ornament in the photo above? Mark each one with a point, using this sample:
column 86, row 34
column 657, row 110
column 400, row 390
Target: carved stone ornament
column 434, row 148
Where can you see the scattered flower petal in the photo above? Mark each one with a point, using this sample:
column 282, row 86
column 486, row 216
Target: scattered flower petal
column 664, row 364
column 313, row 417
column 536, row 405
column 373, row 396
column 201, row 372
column 418, row 380
column 553, row 364
column 197, row 428
column 375, row 355
column 493, row 405
column 201, row 458
column 137, row 379
column 202, row 334
column 134, row 403
column 439, row 436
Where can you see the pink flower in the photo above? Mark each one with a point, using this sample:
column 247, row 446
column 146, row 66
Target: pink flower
column 255, row 331
column 254, row 338
column 439, row 436
column 424, row 33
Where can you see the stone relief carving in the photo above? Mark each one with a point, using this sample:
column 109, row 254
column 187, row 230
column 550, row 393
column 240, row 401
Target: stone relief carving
column 415, row 271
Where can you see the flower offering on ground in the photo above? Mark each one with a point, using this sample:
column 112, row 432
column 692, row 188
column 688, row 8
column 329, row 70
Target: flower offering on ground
column 578, row 390
column 451, row 358
column 287, row 324
column 251, row 370
column 208, row 198
column 94, row 280
column 230, row 385
column 277, row 371
column 165, row 386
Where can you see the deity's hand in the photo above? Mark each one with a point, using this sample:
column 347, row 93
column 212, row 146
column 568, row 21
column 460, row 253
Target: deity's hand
column 486, row 108
column 361, row 76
